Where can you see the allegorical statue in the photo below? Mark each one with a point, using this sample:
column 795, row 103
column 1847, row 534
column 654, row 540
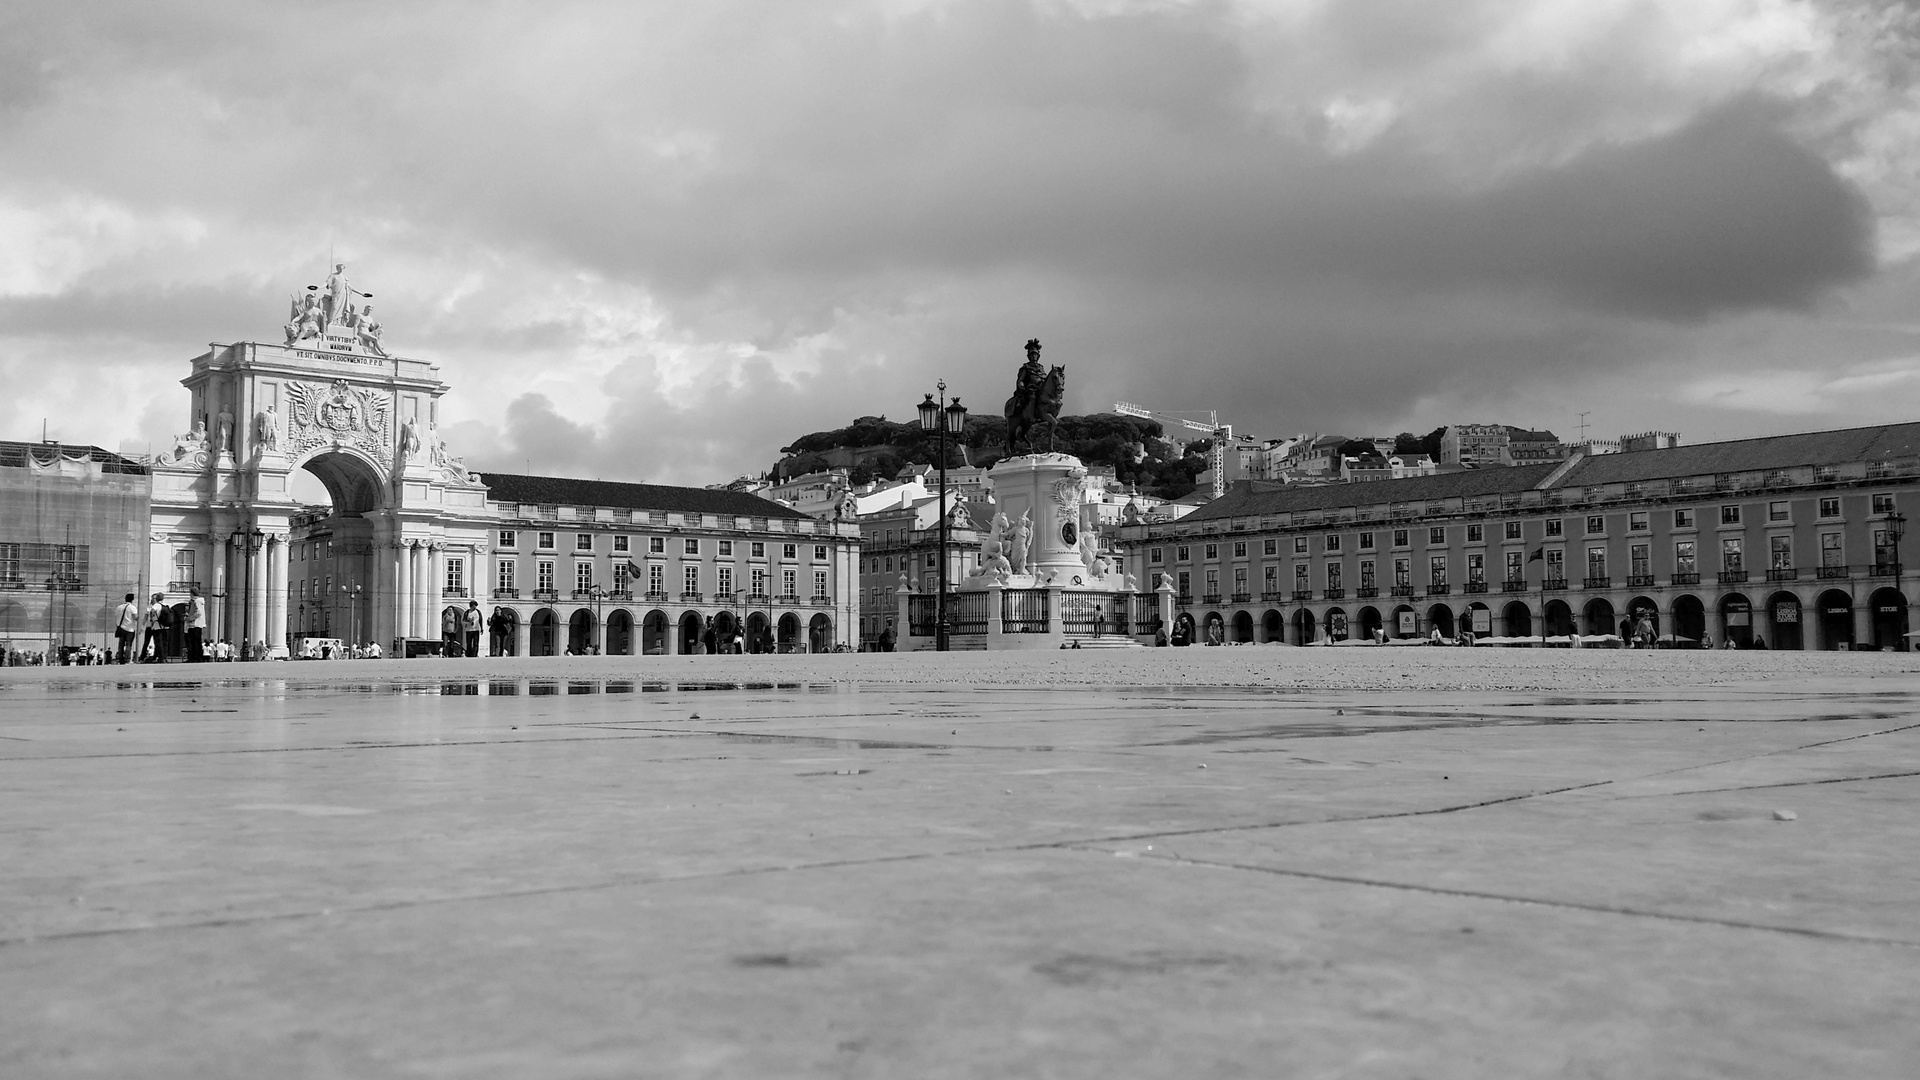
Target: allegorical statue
column 368, row 329
column 267, row 430
column 1038, row 392
column 409, row 442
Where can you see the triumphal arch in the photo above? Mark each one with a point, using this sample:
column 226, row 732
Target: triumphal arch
column 330, row 399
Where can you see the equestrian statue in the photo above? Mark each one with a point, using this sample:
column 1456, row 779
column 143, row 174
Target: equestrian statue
column 1037, row 395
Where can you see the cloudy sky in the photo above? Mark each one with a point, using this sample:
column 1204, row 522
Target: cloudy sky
column 655, row 241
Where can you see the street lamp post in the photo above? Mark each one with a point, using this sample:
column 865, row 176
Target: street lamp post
column 251, row 540
column 352, row 594
column 599, row 643
column 952, row 420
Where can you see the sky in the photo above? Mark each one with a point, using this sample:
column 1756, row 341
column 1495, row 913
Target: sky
column 658, row 241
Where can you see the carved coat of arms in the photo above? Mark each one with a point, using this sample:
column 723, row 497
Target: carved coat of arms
column 340, row 415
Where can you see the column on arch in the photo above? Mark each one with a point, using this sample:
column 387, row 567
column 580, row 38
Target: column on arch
column 403, row 591
column 436, row 580
column 257, row 593
column 276, row 634
column 215, row 591
column 522, row 633
column 426, row 621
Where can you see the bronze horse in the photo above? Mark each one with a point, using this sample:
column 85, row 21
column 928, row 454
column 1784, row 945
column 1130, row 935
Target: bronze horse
column 1043, row 404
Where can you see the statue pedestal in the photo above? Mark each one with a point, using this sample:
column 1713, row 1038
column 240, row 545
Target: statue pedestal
column 1046, row 489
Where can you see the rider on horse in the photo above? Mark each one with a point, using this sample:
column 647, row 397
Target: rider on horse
column 1026, row 382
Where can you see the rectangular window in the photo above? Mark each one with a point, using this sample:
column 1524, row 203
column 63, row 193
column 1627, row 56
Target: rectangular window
column 182, row 567
column 1270, row 547
column 1239, row 580
column 1186, row 584
column 1513, row 530
column 1437, row 569
column 1271, row 580
column 1780, row 552
column 726, row 547
column 1637, row 521
column 692, row 574
column 1516, row 566
column 505, row 575
column 1366, row 574
column 1639, row 556
column 1732, row 554
column 819, row 553
column 1182, row 553
column 789, row 551
column 507, row 538
column 819, row 583
column 1832, row 553
column 1302, row 579
column 620, row 544
column 1596, row 524
column 1239, row 549
column 1213, row 552
column 1403, row 573
column 1730, row 514
column 582, row 576
column 759, row 581
column 1883, row 553
column 1400, row 538
column 789, row 582
column 1299, row 545
column 1556, row 565
column 1156, row 556
column 1477, row 568
column 1436, row 535
column 1597, row 562
column 1333, row 575
column 723, row 579
column 656, row 545
column 1333, row 542
column 1778, row 511
column 1683, row 519
column 544, row 576
column 1555, row 527
column 1883, row 502
column 1829, row 506
column 1213, row 582
column 545, row 541
column 1476, row 534
column 583, row 542
column 1366, row 541
column 690, row 547
column 456, row 576
column 1683, row 562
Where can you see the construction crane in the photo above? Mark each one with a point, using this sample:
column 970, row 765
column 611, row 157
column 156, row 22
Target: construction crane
column 1216, row 457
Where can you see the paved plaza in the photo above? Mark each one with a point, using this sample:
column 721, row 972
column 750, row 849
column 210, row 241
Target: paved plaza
column 1242, row 862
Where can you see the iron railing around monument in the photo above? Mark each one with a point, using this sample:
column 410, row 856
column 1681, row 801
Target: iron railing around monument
column 1146, row 613
column 1024, row 611
column 967, row 612
column 921, row 614
column 1083, row 613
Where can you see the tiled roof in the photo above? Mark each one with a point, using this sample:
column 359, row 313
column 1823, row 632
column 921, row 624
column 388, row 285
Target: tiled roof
column 1255, row 497
column 1883, row 443
column 558, row 490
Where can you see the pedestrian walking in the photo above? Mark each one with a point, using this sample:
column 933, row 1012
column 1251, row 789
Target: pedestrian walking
column 196, row 627
column 473, row 621
column 126, row 625
column 159, row 617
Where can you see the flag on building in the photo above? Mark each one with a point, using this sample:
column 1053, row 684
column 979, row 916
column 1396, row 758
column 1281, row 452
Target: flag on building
column 633, row 571
column 1539, row 553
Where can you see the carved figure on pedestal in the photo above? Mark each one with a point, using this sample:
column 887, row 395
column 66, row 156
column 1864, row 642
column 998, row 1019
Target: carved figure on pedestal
column 225, row 443
column 337, row 291
column 1021, row 536
column 266, row 430
column 409, row 442
column 1037, row 395
column 368, row 329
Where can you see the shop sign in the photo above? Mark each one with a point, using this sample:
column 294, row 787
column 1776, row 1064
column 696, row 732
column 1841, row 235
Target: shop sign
column 1407, row 623
column 1482, row 621
column 1739, row 618
column 1787, row 613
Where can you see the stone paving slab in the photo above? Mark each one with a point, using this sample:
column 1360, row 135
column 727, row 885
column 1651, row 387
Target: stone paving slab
column 1244, row 862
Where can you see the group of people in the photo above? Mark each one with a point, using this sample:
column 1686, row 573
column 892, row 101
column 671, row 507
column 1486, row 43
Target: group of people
column 460, row 630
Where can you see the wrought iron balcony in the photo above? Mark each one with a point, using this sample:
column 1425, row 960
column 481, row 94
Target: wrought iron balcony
column 657, row 597
column 1826, row 572
column 1210, row 598
column 787, row 598
column 1686, row 577
column 821, row 600
column 1303, row 594
column 690, row 597
column 1242, row 598
column 1554, row 583
column 182, row 586
column 1514, row 585
column 1476, row 586
column 1732, row 577
column 1783, row 573
column 620, row 594
column 1403, row 590
column 1366, row 592
column 1273, row 596
column 1438, row 588
column 545, row 594
column 452, row 594
column 1891, row 569
column 1601, row 581
column 1334, row 594
column 1183, row 600
column 1639, row 581
column 506, row 594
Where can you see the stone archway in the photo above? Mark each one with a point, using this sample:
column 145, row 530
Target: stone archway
column 1516, row 619
column 1214, row 631
column 691, row 628
column 820, row 633
column 1598, row 619
column 1303, row 627
column 1337, row 624
column 1440, row 617
column 1369, row 622
column 504, row 629
column 1404, row 623
column 655, row 633
column 1272, row 626
column 1736, row 620
column 1478, row 619
column 1888, row 609
column 1836, row 619
column 758, row 633
column 1689, row 618
column 619, row 633
column 789, row 633
column 1558, row 619
column 580, row 632
column 1241, row 628
column 1785, row 626
column 1644, row 617
column 542, row 634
